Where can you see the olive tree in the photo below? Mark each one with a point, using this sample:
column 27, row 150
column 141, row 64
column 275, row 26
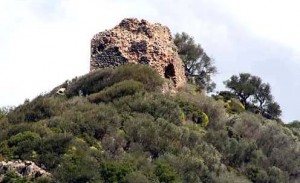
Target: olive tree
column 254, row 94
column 199, row 67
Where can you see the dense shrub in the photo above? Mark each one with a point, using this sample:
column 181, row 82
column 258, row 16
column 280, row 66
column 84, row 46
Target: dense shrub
column 90, row 83
column 123, row 88
column 256, row 174
column 114, row 172
column 126, row 130
column 136, row 177
column 142, row 129
column 225, row 95
column 159, row 106
column 239, row 152
column 214, row 110
column 165, row 173
column 78, row 164
column 192, row 167
column 38, row 109
column 4, row 111
column 193, row 113
column 276, row 175
column 12, row 177
column 93, row 120
column 52, row 148
column 138, row 72
column 235, row 106
column 294, row 124
column 98, row 80
column 24, row 144
column 230, row 177
column 247, row 125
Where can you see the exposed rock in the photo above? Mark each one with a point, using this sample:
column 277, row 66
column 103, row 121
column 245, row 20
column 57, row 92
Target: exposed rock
column 134, row 41
column 61, row 91
column 22, row 168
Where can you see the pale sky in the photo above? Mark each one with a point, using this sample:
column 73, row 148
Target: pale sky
column 45, row 42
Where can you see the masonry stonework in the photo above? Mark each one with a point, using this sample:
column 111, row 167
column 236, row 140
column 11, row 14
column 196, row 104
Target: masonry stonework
column 139, row 42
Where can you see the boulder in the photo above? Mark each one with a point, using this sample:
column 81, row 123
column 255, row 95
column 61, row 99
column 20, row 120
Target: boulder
column 22, row 168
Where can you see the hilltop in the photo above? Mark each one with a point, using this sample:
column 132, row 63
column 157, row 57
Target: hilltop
column 142, row 114
column 124, row 129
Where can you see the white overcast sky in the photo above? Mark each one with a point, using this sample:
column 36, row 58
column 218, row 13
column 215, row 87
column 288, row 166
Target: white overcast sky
column 45, row 42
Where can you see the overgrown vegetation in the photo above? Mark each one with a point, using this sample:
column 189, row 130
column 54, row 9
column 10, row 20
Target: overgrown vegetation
column 116, row 126
column 254, row 95
column 199, row 67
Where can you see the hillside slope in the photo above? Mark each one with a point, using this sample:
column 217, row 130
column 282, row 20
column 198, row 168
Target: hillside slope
column 115, row 125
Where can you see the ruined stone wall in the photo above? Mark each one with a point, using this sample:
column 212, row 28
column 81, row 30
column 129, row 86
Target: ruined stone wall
column 134, row 41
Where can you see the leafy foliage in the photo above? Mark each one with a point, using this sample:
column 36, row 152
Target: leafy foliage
column 123, row 88
column 254, row 94
column 198, row 65
column 126, row 130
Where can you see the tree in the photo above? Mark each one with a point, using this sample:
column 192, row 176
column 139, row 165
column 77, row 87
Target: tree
column 242, row 86
column 5, row 110
column 254, row 94
column 263, row 95
column 273, row 110
column 198, row 65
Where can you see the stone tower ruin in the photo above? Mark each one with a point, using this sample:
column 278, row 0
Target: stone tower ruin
column 134, row 41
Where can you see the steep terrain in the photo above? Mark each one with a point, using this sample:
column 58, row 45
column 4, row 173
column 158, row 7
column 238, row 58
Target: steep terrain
column 115, row 125
column 118, row 123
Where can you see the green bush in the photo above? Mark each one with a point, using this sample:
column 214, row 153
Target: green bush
column 136, row 177
column 12, row 177
column 166, row 173
column 4, row 111
column 239, row 151
column 230, row 177
column 91, row 119
column 52, row 148
column 277, row 175
column 155, row 137
column 235, row 106
column 200, row 118
column 256, row 174
column 138, row 72
column 5, row 150
column 38, row 109
column 193, row 112
column 24, row 144
column 114, row 172
column 96, row 81
column 126, row 130
column 123, row 88
column 213, row 109
column 40, row 128
column 226, row 95
column 44, row 180
column 159, row 106
column 78, row 164
column 92, row 82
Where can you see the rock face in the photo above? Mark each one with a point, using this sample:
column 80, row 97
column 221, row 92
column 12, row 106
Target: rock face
column 134, row 41
column 22, row 168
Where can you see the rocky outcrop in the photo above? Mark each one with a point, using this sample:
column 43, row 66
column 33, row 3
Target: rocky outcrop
column 22, row 168
column 134, row 41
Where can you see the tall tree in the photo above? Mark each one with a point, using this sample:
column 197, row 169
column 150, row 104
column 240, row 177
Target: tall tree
column 254, row 94
column 198, row 65
column 263, row 95
column 242, row 86
column 272, row 110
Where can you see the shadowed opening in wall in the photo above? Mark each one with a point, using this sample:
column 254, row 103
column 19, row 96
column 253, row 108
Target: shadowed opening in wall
column 170, row 72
